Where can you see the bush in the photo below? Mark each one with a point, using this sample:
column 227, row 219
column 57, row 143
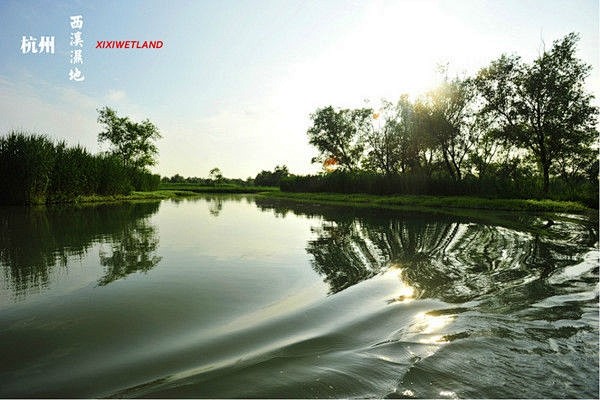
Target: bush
column 144, row 181
column 111, row 177
column 26, row 163
column 268, row 178
column 35, row 170
column 499, row 184
column 73, row 173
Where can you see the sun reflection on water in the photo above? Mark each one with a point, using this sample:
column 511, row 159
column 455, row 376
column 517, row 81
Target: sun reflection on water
column 405, row 293
column 428, row 324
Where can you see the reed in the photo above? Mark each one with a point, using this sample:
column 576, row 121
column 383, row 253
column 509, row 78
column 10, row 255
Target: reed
column 35, row 170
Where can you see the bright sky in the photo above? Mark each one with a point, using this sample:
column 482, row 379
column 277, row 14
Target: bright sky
column 235, row 81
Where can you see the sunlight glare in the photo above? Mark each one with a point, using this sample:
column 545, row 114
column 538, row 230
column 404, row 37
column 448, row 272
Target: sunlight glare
column 428, row 324
column 405, row 293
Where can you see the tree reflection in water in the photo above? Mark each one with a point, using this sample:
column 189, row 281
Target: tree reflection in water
column 215, row 201
column 451, row 258
column 34, row 241
column 132, row 250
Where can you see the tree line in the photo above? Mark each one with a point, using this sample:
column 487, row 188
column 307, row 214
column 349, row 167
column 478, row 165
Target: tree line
column 515, row 128
column 35, row 169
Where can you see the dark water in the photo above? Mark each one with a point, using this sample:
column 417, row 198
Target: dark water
column 246, row 297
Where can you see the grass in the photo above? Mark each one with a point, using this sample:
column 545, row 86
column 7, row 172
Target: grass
column 135, row 196
column 169, row 191
column 36, row 170
column 174, row 190
column 405, row 202
column 435, row 202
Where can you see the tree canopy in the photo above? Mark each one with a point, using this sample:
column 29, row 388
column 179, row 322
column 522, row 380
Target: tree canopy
column 509, row 120
column 542, row 107
column 133, row 142
column 339, row 135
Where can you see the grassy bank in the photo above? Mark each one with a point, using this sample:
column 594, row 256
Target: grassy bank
column 135, row 196
column 224, row 188
column 166, row 191
column 435, row 202
column 176, row 190
column 501, row 185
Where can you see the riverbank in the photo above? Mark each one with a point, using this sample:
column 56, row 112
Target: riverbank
column 356, row 200
column 177, row 190
column 135, row 196
column 435, row 202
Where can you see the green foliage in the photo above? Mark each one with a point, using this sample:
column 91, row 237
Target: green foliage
column 503, row 182
column 112, row 176
column 268, row 178
column 216, row 175
column 132, row 142
column 144, row 181
column 209, row 188
column 74, row 173
column 447, row 115
column 542, row 107
column 392, row 147
column 515, row 130
column 34, row 170
column 433, row 202
column 339, row 135
column 26, row 163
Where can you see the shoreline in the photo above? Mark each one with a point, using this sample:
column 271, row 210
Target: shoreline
column 435, row 202
column 401, row 202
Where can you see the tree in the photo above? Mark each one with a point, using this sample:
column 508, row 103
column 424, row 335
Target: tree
column 392, row 148
column 339, row 135
column 542, row 107
column 267, row 178
column 447, row 114
column 132, row 142
column 216, row 175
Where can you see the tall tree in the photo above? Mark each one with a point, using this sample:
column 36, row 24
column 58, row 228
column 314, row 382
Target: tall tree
column 391, row 140
column 542, row 106
column 339, row 135
column 216, row 175
column 131, row 141
column 448, row 115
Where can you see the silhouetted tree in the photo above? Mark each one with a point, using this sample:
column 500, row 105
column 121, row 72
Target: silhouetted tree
column 392, row 147
column 542, row 106
column 339, row 135
column 448, row 115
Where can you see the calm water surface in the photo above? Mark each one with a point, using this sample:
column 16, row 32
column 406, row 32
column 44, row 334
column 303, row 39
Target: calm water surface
column 238, row 296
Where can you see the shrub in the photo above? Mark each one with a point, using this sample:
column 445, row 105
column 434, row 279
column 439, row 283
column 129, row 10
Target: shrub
column 35, row 170
column 26, row 163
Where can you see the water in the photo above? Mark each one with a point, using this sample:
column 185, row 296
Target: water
column 237, row 296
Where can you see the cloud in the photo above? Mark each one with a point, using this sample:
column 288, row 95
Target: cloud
column 115, row 95
column 70, row 116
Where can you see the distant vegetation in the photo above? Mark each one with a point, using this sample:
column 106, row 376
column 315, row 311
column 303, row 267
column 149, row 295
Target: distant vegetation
column 207, row 188
column 268, row 178
column 216, row 179
column 514, row 130
column 36, row 170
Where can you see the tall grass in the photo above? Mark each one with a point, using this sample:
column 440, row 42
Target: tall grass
column 498, row 186
column 34, row 170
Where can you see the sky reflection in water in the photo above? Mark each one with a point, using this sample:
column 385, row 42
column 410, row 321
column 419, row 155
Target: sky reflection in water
column 235, row 296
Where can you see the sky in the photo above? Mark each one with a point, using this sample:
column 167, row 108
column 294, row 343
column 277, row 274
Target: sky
column 235, row 82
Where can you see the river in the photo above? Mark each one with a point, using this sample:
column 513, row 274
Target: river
column 242, row 296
